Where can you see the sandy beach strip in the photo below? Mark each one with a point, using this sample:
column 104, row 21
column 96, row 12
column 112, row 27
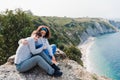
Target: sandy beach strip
column 85, row 48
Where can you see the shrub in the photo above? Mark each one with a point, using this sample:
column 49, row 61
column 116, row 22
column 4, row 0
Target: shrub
column 74, row 54
column 13, row 26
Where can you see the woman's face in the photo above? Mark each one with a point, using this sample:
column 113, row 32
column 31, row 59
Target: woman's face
column 35, row 37
column 43, row 33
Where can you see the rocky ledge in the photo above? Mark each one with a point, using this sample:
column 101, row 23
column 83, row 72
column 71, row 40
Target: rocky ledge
column 71, row 71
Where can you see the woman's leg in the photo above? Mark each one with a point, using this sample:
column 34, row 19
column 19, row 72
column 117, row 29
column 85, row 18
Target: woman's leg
column 36, row 60
column 54, row 48
column 45, row 57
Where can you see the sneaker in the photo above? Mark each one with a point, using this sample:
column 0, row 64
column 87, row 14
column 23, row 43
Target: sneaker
column 55, row 67
column 57, row 73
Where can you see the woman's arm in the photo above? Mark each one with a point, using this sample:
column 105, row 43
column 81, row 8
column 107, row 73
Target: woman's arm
column 23, row 41
column 50, row 51
column 49, row 47
column 32, row 47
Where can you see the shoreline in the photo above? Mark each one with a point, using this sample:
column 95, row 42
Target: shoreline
column 85, row 48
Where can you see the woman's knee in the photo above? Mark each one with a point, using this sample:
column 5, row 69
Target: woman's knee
column 37, row 58
column 18, row 67
column 54, row 45
column 54, row 48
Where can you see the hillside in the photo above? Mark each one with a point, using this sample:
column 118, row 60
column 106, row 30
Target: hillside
column 66, row 32
column 76, row 30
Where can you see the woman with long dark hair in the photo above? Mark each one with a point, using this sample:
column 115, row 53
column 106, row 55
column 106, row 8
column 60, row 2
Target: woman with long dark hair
column 51, row 49
column 48, row 52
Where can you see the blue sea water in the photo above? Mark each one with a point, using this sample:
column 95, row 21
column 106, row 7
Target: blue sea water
column 104, row 56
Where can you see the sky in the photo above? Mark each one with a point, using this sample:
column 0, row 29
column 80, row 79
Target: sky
column 68, row 8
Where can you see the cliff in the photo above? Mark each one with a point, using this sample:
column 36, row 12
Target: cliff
column 100, row 27
column 115, row 23
column 71, row 71
column 77, row 30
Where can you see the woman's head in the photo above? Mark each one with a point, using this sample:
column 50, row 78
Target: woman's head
column 36, row 35
column 44, row 30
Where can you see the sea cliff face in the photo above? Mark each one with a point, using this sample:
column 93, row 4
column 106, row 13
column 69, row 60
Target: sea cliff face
column 98, row 29
column 115, row 23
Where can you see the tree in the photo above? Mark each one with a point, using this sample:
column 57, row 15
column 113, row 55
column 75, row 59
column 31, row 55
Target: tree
column 13, row 26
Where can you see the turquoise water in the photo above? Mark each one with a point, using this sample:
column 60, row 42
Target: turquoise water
column 104, row 56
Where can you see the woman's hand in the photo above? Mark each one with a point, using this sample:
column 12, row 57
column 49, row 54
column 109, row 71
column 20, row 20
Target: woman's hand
column 53, row 58
column 44, row 47
column 24, row 41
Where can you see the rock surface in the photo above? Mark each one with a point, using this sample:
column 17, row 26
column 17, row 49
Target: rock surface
column 71, row 71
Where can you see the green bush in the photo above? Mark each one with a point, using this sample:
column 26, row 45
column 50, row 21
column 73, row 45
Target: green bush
column 61, row 46
column 14, row 25
column 94, row 77
column 74, row 54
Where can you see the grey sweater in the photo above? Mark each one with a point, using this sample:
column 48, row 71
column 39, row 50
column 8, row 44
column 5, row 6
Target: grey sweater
column 25, row 52
column 45, row 42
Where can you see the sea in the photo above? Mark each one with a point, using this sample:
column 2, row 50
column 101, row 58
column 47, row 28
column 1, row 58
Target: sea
column 104, row 56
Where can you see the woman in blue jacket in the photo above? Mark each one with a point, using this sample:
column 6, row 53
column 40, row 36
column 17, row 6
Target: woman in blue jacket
column 51, row 49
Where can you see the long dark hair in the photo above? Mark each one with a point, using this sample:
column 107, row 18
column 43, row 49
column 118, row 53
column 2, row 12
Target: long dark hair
column 36, row 33
column 48, row 33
